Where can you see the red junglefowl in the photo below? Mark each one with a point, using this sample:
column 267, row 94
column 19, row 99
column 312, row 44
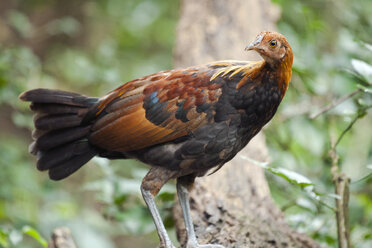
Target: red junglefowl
column 182, row 122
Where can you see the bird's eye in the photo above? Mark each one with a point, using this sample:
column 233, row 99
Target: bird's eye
column 273, row 43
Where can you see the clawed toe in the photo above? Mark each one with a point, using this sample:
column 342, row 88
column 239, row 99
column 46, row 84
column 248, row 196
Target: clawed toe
column 210, row 246
column 193, row 245
column 167, row 245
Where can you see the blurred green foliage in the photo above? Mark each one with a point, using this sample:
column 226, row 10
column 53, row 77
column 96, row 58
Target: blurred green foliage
column 85, row 46
column 333, row 58
column 94, row 46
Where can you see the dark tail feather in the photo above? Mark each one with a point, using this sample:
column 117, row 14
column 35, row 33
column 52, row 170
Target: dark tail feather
column 57, row 138
column 57, row 96
column 61, row 143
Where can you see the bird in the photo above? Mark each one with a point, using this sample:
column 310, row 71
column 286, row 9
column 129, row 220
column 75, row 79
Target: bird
column 184, row 123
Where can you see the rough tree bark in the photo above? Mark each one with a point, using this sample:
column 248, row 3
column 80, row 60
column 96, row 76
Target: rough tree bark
column 233, row 207
column 61, row 238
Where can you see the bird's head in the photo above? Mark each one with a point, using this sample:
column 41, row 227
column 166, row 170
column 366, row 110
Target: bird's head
column 273, row 48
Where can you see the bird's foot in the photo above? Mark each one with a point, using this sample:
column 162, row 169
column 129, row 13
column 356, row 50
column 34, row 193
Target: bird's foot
column 196, row 245
column 166, row 245
column 207, row 246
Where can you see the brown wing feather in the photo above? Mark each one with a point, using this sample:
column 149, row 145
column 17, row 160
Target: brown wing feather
column 160, row 107
column 130, row 132
column 126, row 124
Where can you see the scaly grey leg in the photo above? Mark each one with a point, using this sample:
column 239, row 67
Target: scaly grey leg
column 163, row 235
column 183, row 196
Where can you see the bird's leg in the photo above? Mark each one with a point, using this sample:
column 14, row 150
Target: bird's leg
column 183, row 186
column 164, row 238
column 150, row 187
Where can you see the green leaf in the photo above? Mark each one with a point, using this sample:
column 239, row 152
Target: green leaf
column 290, row 176
column 368, row 46
column 335, row 196
column 362, row 68
column 20, row 22
column 366, row 89
column 4, row 242
column 32, row 232
column 365, row 178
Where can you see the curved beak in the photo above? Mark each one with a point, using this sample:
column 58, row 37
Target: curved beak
column 249, row 47
column 255, row 44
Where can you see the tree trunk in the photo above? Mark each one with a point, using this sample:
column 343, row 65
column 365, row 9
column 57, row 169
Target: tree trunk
column 61, row 238
column 232, row 207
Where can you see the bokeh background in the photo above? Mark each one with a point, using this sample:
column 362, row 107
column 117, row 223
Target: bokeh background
column 93, row 46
